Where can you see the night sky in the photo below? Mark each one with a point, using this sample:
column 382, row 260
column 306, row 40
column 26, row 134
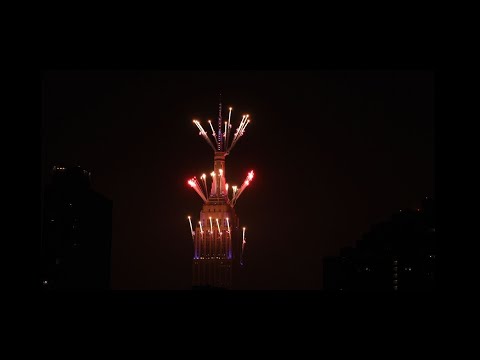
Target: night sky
column 334, row 152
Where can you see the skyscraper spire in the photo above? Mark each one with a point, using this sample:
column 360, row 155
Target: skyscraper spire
column 220, row 137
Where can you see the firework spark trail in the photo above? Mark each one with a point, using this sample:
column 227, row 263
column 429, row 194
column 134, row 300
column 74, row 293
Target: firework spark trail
column 194, row 184
column 204, row 134
column 238, row 134
column 199, row 187
column 220, row 171
column 214, row 183
column 243, row 125
column 213, row 132
column 243, row 245
column 219, row 231
column 240, row 131
column 203, row 177
column 191, row 229
column 211, row 225
column 228, row 226
column 199, row 248
column 242, row 188
column 222, row 141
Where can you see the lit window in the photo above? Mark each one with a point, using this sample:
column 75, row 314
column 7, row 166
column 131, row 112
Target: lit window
column 45, row 282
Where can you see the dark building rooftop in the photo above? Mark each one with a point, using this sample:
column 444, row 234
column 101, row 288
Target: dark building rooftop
column 395, row 255
column 77, row 232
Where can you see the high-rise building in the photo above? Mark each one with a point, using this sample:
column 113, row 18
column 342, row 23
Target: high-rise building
column 395, row 256
column 218, row 239
column 77, row 233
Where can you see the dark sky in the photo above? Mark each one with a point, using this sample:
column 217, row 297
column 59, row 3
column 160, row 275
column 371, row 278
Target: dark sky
column 333, row 152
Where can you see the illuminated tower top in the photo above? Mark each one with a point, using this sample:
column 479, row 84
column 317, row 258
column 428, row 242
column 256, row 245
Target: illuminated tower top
column 221, row 138
column 221, row 146
column 217, row 246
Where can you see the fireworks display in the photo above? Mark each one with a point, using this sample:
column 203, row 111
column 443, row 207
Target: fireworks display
column 218, row 239
column 221, row 143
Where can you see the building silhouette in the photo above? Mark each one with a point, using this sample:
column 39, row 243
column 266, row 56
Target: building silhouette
column 399, row 255
column 77, row 233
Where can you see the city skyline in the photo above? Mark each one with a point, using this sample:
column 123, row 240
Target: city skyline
column 334, row 152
